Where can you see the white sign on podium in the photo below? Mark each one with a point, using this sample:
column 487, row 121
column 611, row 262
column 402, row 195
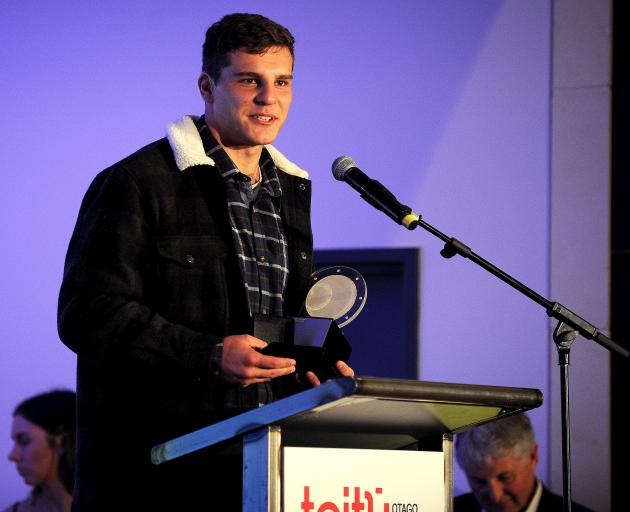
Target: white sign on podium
column 344, row 480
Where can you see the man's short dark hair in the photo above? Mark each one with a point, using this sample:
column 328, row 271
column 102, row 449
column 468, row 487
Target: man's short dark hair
column 251, row 33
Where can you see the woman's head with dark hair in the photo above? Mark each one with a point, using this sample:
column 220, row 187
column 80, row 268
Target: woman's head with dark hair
column 250, row 33
column 44, row 432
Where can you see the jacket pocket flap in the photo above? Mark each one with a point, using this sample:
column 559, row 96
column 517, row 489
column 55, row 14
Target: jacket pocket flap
column 190, row 251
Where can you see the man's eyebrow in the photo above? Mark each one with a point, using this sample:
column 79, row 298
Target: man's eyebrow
column 253, row 74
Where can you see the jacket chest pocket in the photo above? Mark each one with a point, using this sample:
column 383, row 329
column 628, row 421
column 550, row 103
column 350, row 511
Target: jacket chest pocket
column 192, row 274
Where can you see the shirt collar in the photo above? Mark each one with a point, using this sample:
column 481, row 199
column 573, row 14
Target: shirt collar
column 533, row 503
column 269, row 173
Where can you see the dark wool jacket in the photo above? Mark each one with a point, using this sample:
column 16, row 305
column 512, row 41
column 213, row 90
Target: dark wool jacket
column 151, row 284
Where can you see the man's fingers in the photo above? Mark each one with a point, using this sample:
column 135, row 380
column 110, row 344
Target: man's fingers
column 242, row 361
column 344, row 369
column 276, row 372
column 256, row 342
column 257, row 375
column 341, row 367
column 312, row 378
column 271, row 362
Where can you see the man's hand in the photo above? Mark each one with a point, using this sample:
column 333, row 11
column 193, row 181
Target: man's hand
column 243, row 364
column 342, row 368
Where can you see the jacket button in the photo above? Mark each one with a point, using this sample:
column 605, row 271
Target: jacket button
column 303, row 255
column 301, row 186
column 190, row 258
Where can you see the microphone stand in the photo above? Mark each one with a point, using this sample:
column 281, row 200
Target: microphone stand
column 569, row 326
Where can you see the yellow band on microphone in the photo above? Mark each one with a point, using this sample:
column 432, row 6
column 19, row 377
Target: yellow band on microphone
column 410, row 220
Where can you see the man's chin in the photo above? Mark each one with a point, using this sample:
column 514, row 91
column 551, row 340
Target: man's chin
column 256, row 141
column 265, row 136
column 263, row 141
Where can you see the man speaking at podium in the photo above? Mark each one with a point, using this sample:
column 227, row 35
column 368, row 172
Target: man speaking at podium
column 176, row 247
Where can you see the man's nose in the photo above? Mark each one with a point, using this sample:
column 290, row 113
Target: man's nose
column 495, row 490
column 266, row 94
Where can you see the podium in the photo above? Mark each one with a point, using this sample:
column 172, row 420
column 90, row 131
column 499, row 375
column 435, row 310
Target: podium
column 351, row 412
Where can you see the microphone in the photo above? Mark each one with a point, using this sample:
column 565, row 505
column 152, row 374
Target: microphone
column 345, row 169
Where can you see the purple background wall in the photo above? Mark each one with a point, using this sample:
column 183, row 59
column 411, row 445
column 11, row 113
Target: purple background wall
column 446, row 103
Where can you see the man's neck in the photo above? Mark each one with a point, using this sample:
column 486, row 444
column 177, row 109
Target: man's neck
column 246, row 158
column 534, row 499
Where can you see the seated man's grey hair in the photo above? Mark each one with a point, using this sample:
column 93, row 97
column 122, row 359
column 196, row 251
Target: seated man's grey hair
column 512, row 436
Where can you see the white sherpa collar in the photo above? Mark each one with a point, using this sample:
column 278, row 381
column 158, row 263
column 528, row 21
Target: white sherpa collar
column 187, row 147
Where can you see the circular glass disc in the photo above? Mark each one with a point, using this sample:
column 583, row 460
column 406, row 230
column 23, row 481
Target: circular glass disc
column 336, row 292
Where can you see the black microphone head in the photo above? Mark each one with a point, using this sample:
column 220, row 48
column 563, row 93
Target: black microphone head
column 341, row 166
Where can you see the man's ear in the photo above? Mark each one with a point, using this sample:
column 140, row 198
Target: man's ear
column 206, row 87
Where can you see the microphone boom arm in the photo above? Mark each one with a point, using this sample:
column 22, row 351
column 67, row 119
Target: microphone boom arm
column 568, row 327
column 452, row 247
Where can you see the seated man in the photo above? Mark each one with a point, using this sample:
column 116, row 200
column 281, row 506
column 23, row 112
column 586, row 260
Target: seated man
column 500, row 460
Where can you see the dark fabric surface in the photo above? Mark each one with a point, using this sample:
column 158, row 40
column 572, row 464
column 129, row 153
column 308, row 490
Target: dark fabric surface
column 549, row 502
